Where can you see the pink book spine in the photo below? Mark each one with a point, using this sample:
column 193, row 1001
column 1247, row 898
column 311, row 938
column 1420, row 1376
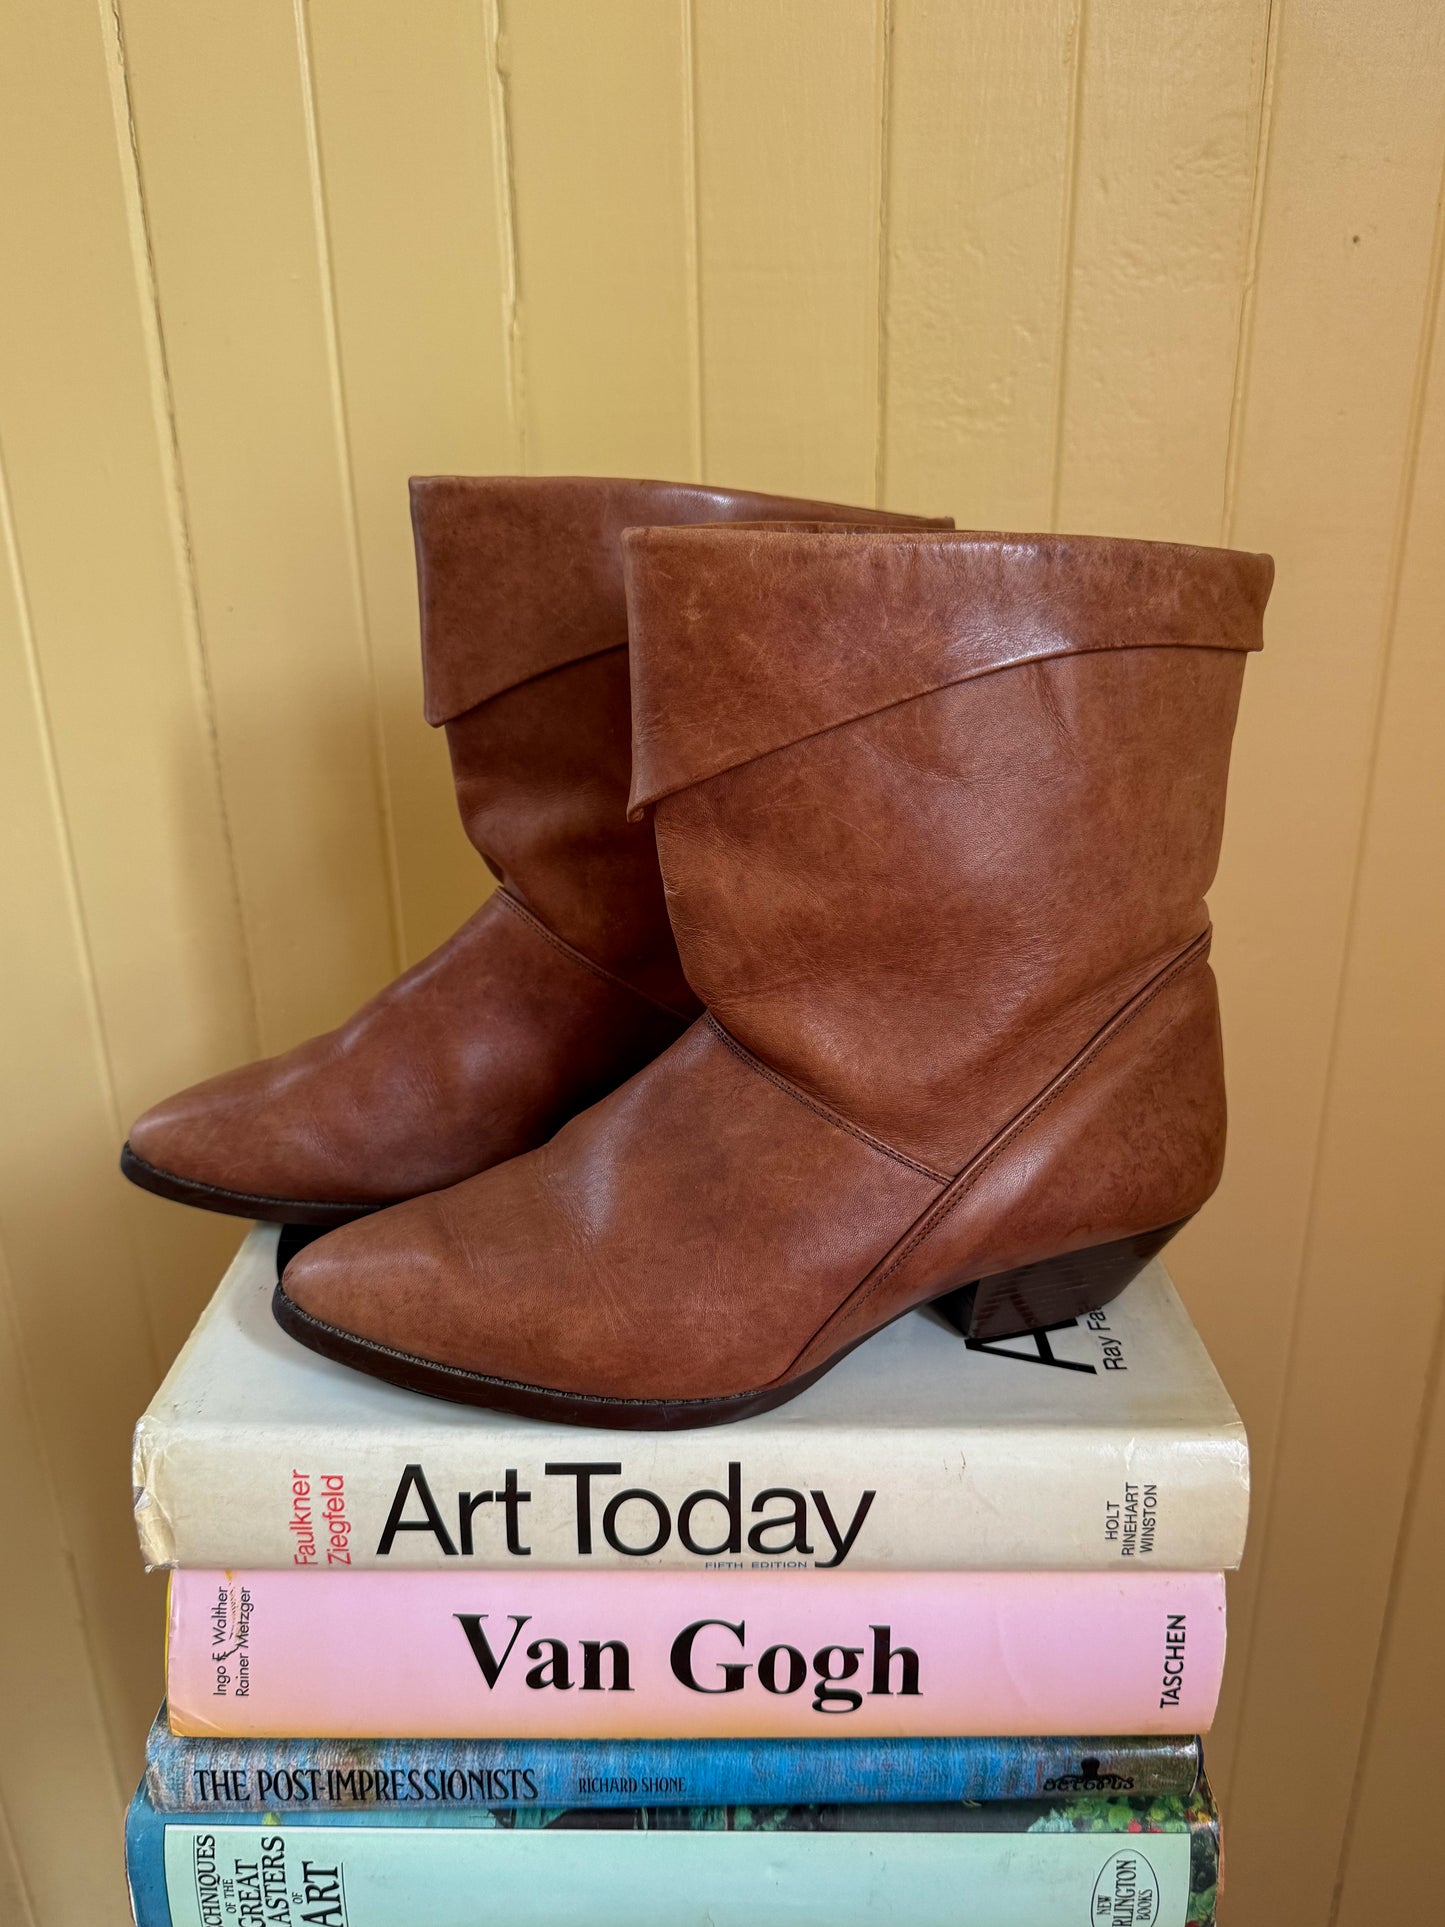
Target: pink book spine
column 683, row 1654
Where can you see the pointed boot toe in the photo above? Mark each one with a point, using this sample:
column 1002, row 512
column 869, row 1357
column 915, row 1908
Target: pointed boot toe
column 413, row 1295
column 366, row 1288
column 166, row 1149
column 625, row 1274
column 227, row 1145
column 567, row 980
column 936, row 816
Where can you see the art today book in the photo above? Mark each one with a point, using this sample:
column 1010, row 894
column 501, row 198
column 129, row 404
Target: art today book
column 618, row 1655
column 1105, row 1444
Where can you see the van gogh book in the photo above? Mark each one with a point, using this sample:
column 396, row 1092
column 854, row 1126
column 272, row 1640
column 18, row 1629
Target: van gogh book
column 1111, row 1862
column 1107, row 1443
column 261, row 1776
column 610, row 1655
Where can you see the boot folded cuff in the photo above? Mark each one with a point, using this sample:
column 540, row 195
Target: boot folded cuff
column 744, row 641
column 520, row 575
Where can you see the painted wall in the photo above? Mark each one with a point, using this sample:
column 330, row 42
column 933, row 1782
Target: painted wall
column 1138, row 266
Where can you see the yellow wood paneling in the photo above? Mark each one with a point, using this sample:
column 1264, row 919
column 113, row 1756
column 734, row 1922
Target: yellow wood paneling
column 1370, row 1281
column 977, row 231
column 223, row 126
column 92, row 492
column 80, row 1309
column 1356, row 142
column 788, row 102
column 57, row 1767
column 14, row 1900
column 1388, row 1872
column 597, row 111
column 1374, row 1241
column 1166, row 270
column 1168, row 99
column 419, row 244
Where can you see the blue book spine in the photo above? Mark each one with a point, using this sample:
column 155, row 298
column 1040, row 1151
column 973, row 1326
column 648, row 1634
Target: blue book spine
column 1006, row 1864
column 240, row 1776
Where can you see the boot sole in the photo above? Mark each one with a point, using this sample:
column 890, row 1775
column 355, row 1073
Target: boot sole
column 1037, row 1297
column 238, row 1204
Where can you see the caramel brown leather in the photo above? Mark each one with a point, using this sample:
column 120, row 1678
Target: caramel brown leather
column 936, row 815
column 568, row 979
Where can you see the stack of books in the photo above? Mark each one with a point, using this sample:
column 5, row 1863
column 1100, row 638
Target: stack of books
column 933, row 1643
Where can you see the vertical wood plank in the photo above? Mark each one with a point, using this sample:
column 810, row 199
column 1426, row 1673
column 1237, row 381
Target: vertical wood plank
column 978, row 190
column 242, row 273
column 1395, row 991
column 92, row 482
column 597, row 106
column 80, row 1306
column 790, row 112
column 60, row 1792
column 14, row 1900
column 419, row 254
column 86, row 444
column 1167, row 142
column 1371, row 1281
column 1345, row 260
column 1389, row 1867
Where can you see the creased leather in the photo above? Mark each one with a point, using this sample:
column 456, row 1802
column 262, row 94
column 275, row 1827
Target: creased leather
column 478, row 1052
column 493, row 1041
column 902, row 614
column 521, row 574
column 611, row 1259
column 1129, row 1139
column 541, row 772
column 919, row 916
column 953, row 953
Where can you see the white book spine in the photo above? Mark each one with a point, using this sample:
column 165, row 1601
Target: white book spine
column 1041, row 1499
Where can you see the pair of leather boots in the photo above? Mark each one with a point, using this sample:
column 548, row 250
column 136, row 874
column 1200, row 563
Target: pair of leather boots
column 850, row 954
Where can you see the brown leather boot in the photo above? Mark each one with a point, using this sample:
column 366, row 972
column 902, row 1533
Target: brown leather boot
column 567, row 980
column 936, row 815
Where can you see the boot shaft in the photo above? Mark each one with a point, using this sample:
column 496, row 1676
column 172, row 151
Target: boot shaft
column 932, row 808
column 524, row 652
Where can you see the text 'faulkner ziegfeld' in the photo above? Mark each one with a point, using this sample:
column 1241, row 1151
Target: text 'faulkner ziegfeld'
column 320, row 1530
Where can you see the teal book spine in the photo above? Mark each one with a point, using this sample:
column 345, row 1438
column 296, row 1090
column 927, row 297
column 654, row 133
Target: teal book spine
column 221, row 1775
column 1007, row 1864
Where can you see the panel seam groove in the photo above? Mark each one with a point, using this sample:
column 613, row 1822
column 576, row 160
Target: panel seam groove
column 7, row 1833
column 881, row 288
column 1249, row 280
column 1234, row 433
column 168, row 442
column 1066, row 259
column 1408, row 1512
column 692, row 165
column 499, row 88
column 76, row 912
column 10, row 1317
column 1424, row 359
column 336, row 382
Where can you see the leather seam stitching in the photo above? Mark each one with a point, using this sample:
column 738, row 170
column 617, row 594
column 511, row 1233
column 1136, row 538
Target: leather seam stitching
column 579, row 957
column 745, row 1056
column 967, row 1179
